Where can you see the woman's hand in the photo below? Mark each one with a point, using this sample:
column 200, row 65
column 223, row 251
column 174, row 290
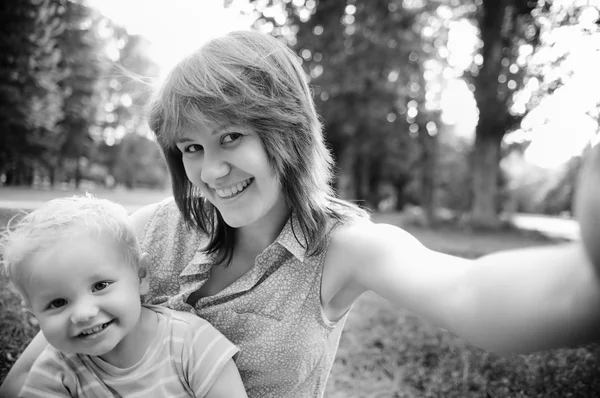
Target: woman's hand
column 587, row 205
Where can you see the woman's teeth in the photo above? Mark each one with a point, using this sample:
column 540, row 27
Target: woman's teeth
column 233, row 190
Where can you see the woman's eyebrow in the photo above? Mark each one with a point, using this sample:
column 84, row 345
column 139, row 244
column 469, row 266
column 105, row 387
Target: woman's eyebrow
column 219, row 129
column 183, row 140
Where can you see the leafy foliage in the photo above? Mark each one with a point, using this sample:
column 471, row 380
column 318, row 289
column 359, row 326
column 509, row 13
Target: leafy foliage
column 30, row 101
column 61, row 101
column 365, row 60
column 140, row 163
column 83, row 67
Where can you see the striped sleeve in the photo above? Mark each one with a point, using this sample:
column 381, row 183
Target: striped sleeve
column 49, row 377
column 205, row 353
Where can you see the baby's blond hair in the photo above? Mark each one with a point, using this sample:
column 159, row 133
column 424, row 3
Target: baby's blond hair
column 60, row 219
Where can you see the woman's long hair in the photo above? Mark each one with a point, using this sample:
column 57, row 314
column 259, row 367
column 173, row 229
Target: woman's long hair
column 254, row 80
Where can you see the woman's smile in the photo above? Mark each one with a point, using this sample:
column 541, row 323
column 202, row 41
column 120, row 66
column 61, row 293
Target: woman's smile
column 233, row 190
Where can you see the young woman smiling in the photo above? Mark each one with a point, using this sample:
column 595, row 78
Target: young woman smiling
column 255, row 241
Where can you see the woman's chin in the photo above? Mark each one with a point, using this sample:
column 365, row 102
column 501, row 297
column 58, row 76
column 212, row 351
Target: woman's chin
column 236, row 220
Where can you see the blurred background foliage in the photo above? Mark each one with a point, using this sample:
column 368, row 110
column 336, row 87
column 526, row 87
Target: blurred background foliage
column 74, row 85
column 72, row 97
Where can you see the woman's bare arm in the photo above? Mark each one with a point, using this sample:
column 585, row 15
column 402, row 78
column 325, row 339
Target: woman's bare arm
column 228, row 384
column 18, row 373
column 140, row 218
column 587, row 205
column 515, row 301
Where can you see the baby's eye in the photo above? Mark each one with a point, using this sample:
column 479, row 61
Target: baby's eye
column 54, row 304
column 231, row 137
column 100, row 286
column 193, row 148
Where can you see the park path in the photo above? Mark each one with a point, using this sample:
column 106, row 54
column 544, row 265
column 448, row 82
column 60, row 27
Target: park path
column 552, row 226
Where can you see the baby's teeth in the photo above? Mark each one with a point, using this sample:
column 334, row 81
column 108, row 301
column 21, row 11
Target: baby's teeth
column 94, row 330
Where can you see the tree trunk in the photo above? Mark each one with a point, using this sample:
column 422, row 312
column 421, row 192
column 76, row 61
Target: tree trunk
column 493, row 115
column 77, row 172
column 428, row 166
column 345, row 183
column 9, row 177
column 486, row 160
column 361, row 178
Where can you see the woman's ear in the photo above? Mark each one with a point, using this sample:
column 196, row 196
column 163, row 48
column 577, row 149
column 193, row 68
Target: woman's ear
column 143, row 273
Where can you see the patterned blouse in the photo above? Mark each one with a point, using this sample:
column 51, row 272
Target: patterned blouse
column 273, row 313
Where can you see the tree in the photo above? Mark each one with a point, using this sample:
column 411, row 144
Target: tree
column 365, row 63
column 139, row 162
column 122, row 123
column 517, row 36
column 30, row 101
column 505, row 26
column 128, row 87
column 84, row 64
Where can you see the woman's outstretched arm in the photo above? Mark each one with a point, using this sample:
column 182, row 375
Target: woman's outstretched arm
column 515, row 301
column 18, row 373
column 587, row 204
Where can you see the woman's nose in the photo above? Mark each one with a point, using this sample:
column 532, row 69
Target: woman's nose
column 213, row 168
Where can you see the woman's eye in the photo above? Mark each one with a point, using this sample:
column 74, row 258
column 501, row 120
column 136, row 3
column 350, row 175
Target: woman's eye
column 54, row 304
column 100, row 286
column 231, row 137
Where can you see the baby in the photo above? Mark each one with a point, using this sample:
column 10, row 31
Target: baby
column 79, row 269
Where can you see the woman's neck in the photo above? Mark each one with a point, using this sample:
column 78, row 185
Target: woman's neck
column 257, row 236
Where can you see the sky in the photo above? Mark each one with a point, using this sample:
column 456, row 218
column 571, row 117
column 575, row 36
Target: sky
column 174, row 27
column 559, row 128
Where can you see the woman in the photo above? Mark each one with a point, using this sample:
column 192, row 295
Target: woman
column 255, row 241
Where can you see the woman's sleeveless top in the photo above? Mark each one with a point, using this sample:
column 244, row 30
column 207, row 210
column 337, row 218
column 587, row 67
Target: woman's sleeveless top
column 273, row 313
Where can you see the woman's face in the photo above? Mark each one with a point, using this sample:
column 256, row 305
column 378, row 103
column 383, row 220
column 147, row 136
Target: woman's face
column 230, row 166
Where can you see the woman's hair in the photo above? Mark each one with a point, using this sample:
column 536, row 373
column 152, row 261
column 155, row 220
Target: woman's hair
column 61, row 219
column 254, row 80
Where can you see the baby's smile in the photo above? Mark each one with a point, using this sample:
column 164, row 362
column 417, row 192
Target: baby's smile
column 87, row 333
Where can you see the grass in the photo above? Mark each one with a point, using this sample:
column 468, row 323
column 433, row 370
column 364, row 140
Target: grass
column 121, row 195
column 388, row 352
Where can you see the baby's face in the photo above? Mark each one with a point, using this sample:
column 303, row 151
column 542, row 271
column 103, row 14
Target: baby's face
column 84, row 294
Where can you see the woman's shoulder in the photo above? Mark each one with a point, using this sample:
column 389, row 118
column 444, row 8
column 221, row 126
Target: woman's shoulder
column 364, row 240
column 141, row 217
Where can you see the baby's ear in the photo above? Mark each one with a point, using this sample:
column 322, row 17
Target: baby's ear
column 26, row 305
column 143, row 273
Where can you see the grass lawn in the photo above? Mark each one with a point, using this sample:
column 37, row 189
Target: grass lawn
column 29, row 198
column 387, row 352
